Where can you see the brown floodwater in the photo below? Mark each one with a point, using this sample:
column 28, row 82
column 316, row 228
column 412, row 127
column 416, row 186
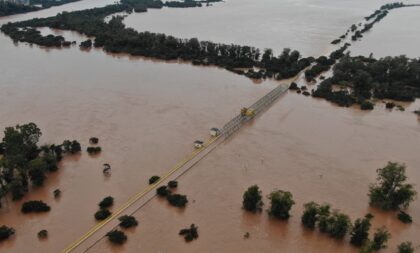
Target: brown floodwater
column 147, row 114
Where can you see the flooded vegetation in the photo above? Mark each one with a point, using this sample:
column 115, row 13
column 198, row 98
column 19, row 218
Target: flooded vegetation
column 264, row 189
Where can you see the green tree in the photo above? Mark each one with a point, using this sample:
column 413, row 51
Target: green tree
column 128, row 221
column 6, row 232
column 117, row 237
column 360, row 231
column 102, row 214
column 405, row 247
column 281, row 203
column 310, row 215
column 252, row 199
column 390, row 191
column 106, row 202
column 380, row 238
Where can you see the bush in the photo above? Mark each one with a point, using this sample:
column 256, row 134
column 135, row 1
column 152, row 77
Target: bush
column 102, row 214
column 391, row 191
column 252, row 199
column 153, row 179
column 43, row 234
column 117, row 237
column 406, row 247
column 94, row 150
column 177, row 200
column 6, row 232
column 106, row 202
column 163, row 191
column 93, row 140
column 360, row 231
column 380, row 238
column 293, row 86
column 57, row 193
column 281, row 203
column 404, row 217
column 310, row 215
column 366, row 105
column 173, row 184
column 127, row 221
column 36, row 206
column 389, row 105
column 86, row 44
column 189, row 233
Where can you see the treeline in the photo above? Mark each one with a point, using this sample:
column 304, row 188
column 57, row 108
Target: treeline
column 359, row 79
column 115, row 38
column 50, row 3
column 8, row 8
column 377, row 16
column 323, row 63
column 24, row 162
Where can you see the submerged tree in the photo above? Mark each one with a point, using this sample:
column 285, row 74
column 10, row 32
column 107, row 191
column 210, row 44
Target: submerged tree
column 406, row 247
column 391, row 191
column 380, row 238
column 360, row 231
column 106, row 202
column 117, row 237
column 281, row 203
column 6, row 232
column 128, row 221
column 189, row 233
column 252, row 199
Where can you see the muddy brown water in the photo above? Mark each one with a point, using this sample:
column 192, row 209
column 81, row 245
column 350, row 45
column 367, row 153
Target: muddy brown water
column 147, row 114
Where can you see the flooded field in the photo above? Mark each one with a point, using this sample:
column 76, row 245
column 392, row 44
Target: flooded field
column 397, row 34
column 147, row 114
column 315, row 150
column 308, row 26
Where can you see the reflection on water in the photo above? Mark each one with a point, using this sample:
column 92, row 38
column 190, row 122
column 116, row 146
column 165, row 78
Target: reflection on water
column 147, row 113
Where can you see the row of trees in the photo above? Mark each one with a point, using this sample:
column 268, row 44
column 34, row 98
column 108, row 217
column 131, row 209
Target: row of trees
column 390, row 192
column 362, row 78
column 115, row 38
column 324, row 63
column 281, row 202
column 10, row 8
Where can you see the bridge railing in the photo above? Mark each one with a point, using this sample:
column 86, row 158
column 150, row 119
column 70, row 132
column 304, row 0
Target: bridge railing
column 234, row 124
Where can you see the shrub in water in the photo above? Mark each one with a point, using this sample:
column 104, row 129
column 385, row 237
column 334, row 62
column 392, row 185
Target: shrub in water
column 35, row 206
column 102, row 214
column 128, row 221
column 106, row 202
column 153, row 179
column 116, row 237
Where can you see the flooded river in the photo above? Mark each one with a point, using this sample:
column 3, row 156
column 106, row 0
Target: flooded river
column 147, row 114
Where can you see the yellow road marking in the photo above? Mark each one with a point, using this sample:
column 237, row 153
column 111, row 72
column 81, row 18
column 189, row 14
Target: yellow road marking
column 137, row 196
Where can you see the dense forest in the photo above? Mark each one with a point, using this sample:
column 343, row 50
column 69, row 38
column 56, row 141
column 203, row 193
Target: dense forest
column 22, row 161
column 113, row 37
column 358, row 79
column 8, row 8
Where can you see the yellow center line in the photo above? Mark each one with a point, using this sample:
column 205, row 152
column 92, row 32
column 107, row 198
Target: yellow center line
column 137, row 196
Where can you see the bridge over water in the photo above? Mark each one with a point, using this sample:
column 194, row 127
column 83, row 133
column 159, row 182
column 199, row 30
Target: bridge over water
column 95, row 234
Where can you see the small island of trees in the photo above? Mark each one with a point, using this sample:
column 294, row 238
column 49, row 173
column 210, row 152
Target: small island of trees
column 361, row 79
